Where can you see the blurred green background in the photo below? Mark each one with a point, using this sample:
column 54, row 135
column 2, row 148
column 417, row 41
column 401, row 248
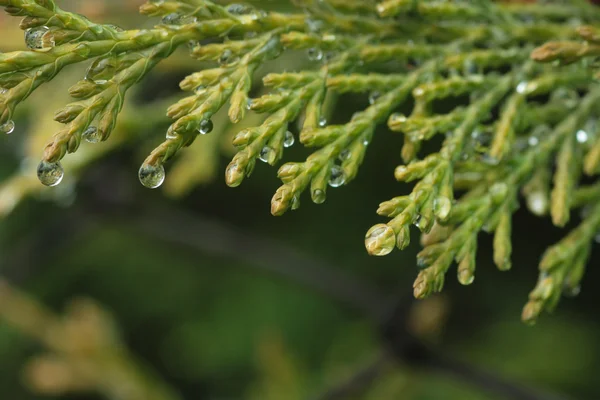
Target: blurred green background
column 199, row 284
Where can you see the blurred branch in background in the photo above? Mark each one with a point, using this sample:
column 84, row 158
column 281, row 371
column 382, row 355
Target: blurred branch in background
column 394, row 316
column 402, row 324
column 85, row 353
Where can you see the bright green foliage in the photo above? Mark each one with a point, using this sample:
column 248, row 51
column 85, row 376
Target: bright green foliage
column 464, row 67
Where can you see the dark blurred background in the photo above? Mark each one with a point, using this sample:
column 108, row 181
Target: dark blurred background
column 217, row 299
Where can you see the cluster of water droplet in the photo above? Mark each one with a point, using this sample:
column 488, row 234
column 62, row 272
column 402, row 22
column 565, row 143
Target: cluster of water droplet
column 267, row 153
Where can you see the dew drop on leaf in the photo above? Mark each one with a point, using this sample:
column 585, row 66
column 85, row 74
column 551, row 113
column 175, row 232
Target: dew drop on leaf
column 92, row 135
column 171, row 135
column 345, row 155
column 314, row 54
column 50, row 174
column 35, row 38
column 266, row 154
column 380, row 240
column 152, row 176
column 373, row 96
column 466, row 277
column 521, row 87
column 288, row 140
column 582, row 136
column 318, row 196
column 206, row 126
column 337, row 177
column 442, row 206
column 8, row 127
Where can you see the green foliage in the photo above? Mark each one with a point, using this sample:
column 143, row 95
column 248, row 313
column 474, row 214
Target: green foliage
column 462, row 68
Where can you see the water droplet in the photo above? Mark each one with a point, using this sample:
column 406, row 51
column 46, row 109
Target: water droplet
column 489, row 159
column 466, row 277
column 318, row 196
column 442, row 206
column 152, row 176
column 240, row 9
column 418, row 92
column 373, row 96
column 206, row 126
column 469, row 67
column 50, row 174
column 345, row 155
column 337, row 177
column 422, row 263
column 295, row 203
column 3, row 90
column 314, row 25
column 36, row 38
column 398, row 118
column 101, row 69
column 200, row 90
column 533, row 141
column 571, row 291
column 314, row 54
column 322, row 122
column 481, row 141
column 522, row 87
column 178, row 19
column 380, row 240
column 582, row 136
column 537, row 203
column 8, row 127
column 418, row 221
column 171, row 135
column 92, row 135
column 288, row 140
column 266, row 154
column 115, row 27
column 227, row 58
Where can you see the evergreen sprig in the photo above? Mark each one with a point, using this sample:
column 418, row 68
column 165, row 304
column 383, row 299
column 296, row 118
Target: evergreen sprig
column 512, row 116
